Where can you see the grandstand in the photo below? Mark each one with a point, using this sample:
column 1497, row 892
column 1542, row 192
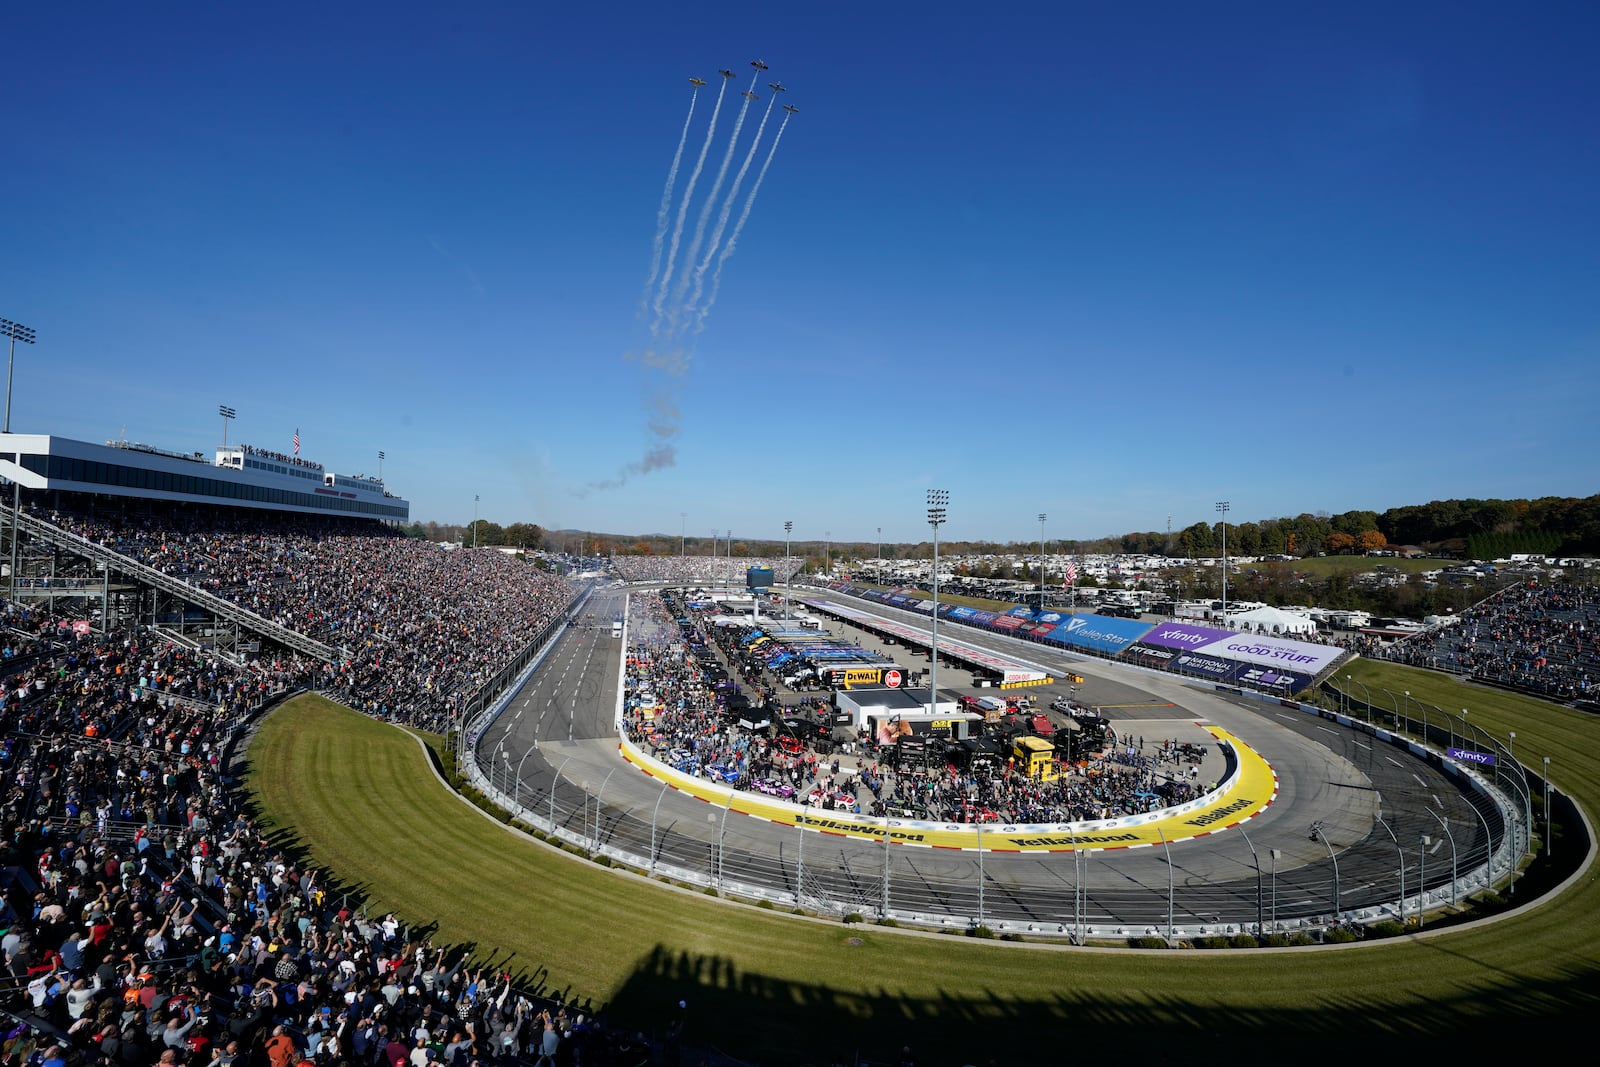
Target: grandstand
column 257, row 557
column 1541, row 638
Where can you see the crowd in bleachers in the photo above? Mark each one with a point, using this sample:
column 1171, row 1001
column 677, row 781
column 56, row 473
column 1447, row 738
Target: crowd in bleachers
column 166, row 929
column 424, row 627
column 685, row 725
column 704, row 571
column 1541, row 638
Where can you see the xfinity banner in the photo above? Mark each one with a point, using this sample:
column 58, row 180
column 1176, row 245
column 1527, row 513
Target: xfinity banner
column 1183, row 635
column 1099, row 633
column 1467, row 755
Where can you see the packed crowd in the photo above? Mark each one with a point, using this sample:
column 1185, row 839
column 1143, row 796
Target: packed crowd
column 423, row 627
column 1539, row 638
column 701, row 570
column 685, row 724
column 165, row 928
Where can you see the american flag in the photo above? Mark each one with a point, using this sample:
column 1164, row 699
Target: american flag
column 297, row 440
column 1071, row 575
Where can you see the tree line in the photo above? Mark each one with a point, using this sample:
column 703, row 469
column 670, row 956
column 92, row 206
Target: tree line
column 1471, row 528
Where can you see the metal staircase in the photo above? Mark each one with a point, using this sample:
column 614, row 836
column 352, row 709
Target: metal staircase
column 222, row 609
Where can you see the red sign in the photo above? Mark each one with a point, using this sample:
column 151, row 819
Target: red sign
column 891, row 679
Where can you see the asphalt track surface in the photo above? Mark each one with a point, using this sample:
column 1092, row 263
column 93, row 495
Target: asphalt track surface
column 559, row 731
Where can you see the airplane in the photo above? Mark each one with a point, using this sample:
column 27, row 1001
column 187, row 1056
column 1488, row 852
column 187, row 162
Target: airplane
column 749, row 95
column 726, row 73
column 756, row 63
column 776, row 87
column 791, row 109
column 697, row 83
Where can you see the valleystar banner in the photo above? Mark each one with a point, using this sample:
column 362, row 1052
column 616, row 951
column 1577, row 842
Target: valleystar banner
column 1099, row 632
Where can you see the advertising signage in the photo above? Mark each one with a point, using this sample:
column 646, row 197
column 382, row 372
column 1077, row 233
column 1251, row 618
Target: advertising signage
column 1278, row 652
column 962, row 612
column 983, row 618
column 1299, row 657
column 1007, row 622
column 1268, row 678
column 1099, row 633
column 1183, row 635
column 1020, row 612
column 1208, row 666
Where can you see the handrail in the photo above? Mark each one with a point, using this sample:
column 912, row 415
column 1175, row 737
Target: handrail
column 225, row 609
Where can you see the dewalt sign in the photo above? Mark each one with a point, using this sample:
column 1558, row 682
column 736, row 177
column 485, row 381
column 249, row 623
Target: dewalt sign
column 859, row 677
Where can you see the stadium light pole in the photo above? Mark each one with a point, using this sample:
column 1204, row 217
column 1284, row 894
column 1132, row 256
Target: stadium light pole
column 938, row 500
column 788, row 529
column 880, row 555
column 15, row 331
column 380, row 464
column 683, row 535
column 827, row 552
column 227, row 414
column 1224, row 506
column 1041, row 561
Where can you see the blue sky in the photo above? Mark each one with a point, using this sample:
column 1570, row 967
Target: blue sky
column 1112, row 263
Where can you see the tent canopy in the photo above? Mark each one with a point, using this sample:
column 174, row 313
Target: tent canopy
column 1270, row 620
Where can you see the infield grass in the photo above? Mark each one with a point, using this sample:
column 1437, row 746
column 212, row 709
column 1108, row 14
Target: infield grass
column 362, row 799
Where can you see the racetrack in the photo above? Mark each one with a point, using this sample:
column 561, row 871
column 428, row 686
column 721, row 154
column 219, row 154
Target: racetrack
column 1261, row 865
column 358, row 797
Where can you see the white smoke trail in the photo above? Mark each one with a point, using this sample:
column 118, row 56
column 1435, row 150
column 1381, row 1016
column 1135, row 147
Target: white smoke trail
column 679, row 291
column 683, row 210
column 733, row 238
column 722, row 217
column 664, row 211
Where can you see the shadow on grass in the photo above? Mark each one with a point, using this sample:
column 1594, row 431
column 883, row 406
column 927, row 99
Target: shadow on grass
column 775, row 1022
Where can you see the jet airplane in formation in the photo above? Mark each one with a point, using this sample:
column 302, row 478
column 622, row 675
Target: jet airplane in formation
column 726, row 73
column 697, row 83
column 791, row 109
column 749, row 95
column 756, row 63
column 776, row 87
